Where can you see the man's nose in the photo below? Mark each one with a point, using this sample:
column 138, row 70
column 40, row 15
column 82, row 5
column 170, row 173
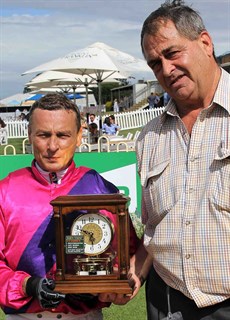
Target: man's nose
column 167, row 67
column 53, row 143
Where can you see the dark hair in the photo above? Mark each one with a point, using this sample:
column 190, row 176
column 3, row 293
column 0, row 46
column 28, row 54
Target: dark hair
column 2, row 123
column 187, row 21
column 93, row 125
column 107, row 121
column 55, row 101
column 112, row 117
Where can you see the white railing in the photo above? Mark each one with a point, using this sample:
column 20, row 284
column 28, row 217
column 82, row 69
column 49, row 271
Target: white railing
column 16, row 129
column 135, row 119
column 125, row 120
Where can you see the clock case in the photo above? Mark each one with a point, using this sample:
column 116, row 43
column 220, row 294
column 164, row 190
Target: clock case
column 70, row 282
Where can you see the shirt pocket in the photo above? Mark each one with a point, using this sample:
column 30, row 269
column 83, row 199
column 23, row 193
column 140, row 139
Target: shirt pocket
column 159, row 192
column 219, row 186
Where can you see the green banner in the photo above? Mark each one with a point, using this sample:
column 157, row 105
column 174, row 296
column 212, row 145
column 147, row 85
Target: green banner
column 117, row 167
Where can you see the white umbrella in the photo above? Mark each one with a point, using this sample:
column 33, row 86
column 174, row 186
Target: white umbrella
column 68, row 76
column 53, row 89
column 95, row 60
column 69, row 80
column 15, row 100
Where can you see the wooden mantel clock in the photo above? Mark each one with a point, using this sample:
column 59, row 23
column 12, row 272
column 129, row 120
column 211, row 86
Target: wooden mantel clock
column 86, row 260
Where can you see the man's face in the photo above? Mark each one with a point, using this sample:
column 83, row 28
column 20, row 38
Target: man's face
column 180, row 65
column 54, row 137
column 91, row 117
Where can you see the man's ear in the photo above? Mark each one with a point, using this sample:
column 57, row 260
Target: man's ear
column 29, row 135
column 206, row 41
column 79, row 138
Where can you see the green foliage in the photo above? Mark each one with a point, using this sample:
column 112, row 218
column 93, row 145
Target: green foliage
column 2, row 316
column 139, row 227
column 105, row 89
column 108, row 106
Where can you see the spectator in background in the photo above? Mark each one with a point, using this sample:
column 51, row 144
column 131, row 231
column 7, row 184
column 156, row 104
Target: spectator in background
column 121, row 105
column 92, row 118
column 107, row 127
column 157, row 100
column 126, row 103
column 83, row 121
column 112, row 122
column 17, row 114
column 166, row 98
column 25, row 111
column 85, row 129
column 94, row 132
column 22, row 117
column 115, row 106
column 3, row 132
column 153, row 100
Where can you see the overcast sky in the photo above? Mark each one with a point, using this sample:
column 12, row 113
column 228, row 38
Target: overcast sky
column 36, row 31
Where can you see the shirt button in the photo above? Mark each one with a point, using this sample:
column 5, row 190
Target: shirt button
column 59, row 316
column 187, row 222
column 202, row 117
column 187, row 256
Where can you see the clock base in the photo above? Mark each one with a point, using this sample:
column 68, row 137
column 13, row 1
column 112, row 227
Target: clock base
column 94, row 286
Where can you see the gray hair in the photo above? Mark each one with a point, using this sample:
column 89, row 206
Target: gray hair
column 186, row 20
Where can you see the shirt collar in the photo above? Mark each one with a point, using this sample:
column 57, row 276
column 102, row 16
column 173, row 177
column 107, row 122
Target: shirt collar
column 48, row 175
column 221, row 96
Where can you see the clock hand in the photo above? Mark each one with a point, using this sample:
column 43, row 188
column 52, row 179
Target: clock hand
column 91, row 238
column 87, row 232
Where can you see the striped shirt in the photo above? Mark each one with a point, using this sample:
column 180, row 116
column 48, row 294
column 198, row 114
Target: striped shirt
column 186, row 198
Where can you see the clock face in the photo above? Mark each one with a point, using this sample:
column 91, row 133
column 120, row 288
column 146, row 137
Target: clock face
column 97, row 231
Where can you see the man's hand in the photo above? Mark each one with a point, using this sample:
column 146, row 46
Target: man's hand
column 42, row 289
column 121, row 299
column 140, row 264
column 73, row 300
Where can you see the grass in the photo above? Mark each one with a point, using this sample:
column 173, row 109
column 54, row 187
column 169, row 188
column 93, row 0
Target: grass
column 16, row 142
column 135, row 309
